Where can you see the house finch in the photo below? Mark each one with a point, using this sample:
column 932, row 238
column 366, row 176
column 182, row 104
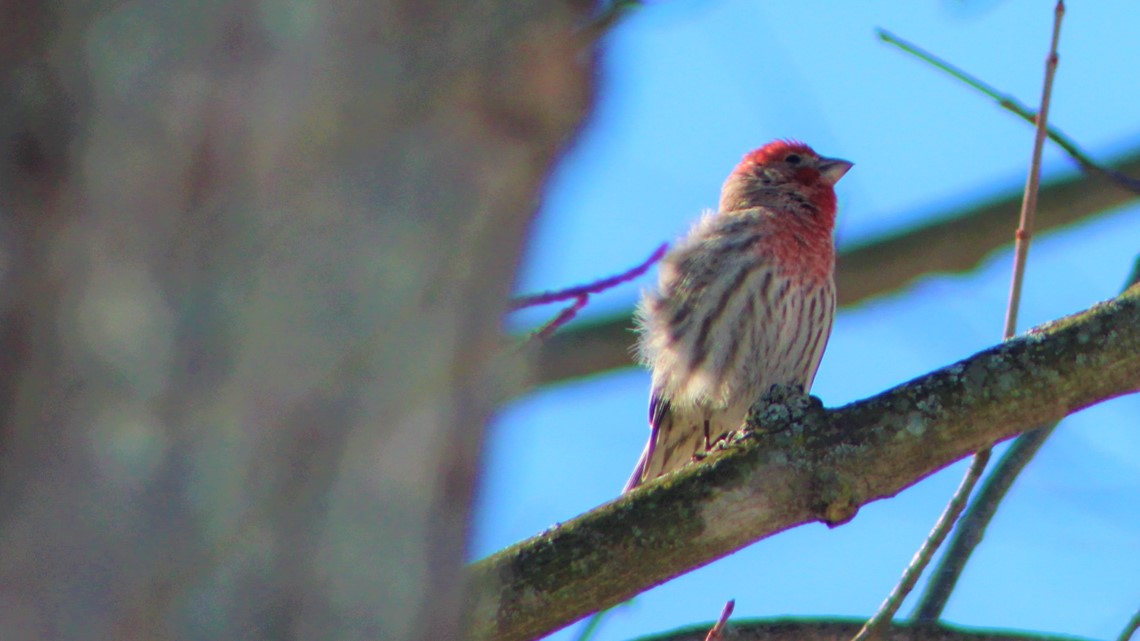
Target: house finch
column 745, row 302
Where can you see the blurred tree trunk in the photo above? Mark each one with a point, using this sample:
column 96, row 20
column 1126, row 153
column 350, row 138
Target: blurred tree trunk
column 254, row 258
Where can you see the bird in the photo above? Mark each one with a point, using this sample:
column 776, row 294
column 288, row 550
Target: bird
column 744, row 301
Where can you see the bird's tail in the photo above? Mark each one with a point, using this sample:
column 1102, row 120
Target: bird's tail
column 639, row 469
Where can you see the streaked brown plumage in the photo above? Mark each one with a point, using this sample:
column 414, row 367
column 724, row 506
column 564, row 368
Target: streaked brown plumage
column 745, row 301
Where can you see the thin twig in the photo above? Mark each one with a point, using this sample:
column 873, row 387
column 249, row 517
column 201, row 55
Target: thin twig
column 970, row 529
column 1029, row 204
column 977, row 466
column 717, row 631
column 1131, row 628
column 1134, row 277
column 890, row 606
column 580, row 295
column 592, row 625
column 544, row 298
column 1011, row 104
column 563, row 317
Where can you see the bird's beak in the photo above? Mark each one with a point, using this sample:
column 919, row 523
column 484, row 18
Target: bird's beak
column 832, row 169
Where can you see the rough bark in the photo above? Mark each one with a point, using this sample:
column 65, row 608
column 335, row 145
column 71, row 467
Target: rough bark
column 254, row 257
column 801, row 463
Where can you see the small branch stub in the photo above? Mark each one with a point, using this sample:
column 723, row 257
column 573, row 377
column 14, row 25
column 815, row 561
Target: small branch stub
column 717, row 631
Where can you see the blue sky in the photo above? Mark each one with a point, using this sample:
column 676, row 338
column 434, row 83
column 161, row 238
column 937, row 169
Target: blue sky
column 686, row 87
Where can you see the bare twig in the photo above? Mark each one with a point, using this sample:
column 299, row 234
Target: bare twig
column 1134, row 277
column 717, row 631
column 580, row 295
column 874, row 626
column 1011, row 104
column 981, row 511
column 563, row 317
column 594, row 623
column 978, row 465
column 1131, row 628
column 533, row 300
column 973, row 525
column 1029, row 204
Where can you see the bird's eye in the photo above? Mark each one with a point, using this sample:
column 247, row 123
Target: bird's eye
column 792, row 159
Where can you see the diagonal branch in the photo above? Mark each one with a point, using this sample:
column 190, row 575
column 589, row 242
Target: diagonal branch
column 842, row 629
column 808, row 464
column 1011, row 104
column 957, row 241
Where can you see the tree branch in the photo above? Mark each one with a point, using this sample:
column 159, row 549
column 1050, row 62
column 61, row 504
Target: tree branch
column 955, row 242
column 972, row 526
column 806, row 464
column 842, row 629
